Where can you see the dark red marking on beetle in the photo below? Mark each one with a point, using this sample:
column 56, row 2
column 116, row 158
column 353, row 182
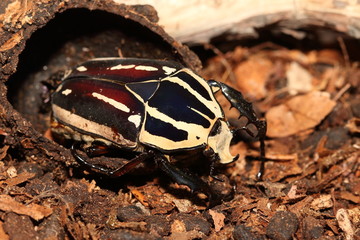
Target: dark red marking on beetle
column 102, row 69
column 82, row 102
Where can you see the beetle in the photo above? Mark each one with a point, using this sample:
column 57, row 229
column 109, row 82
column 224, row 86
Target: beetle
column 154, row 108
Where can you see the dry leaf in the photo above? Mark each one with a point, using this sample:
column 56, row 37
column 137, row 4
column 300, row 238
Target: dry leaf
column 251, row 76
column 298, row 79
column 298, row 114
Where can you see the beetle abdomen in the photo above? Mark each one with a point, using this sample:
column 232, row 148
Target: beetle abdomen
column 98, row 107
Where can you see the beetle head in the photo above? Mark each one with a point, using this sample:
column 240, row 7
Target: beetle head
column 219, row 141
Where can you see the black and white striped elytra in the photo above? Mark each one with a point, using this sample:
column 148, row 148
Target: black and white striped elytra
column 144, row 105
column 172, row 110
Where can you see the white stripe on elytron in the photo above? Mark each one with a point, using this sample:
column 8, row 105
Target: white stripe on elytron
column 81, row 68
column 166, row 144
column 212, row 105
column 200, row 113
column 136, row 119
column 197, row 133
column 112, row 102
column 154, row 112
column 168, row 70
column 146, row 68
column 120, row 66
column 90, row 126
column 66, row 92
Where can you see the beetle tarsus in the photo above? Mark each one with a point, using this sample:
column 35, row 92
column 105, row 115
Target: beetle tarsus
column 262, row 158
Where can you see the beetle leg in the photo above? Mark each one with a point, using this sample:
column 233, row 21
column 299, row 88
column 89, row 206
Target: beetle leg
column 214, row 158
column 245, row 108
column 183, row 178
column 111, row 172
column 97, row 150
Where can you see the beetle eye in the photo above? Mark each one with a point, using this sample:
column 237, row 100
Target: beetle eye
column 216, row 128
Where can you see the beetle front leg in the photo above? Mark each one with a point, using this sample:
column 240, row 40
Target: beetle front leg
column 111, row 172
column 245, row 108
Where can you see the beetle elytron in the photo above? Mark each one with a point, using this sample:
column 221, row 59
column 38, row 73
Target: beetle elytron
column 152, row 107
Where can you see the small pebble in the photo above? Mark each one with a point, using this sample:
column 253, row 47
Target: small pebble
column 282, row 226
column 130, row 214
column 241, row 232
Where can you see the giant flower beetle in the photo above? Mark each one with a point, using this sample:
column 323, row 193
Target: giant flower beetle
column 151, row 107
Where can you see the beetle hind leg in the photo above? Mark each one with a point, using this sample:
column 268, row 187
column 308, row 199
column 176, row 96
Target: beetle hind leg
column 107, row 171
column 245, row 108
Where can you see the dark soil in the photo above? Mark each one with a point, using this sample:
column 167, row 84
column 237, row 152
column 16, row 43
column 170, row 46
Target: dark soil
column 311, row 185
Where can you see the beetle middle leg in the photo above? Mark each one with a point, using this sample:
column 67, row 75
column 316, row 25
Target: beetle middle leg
column 184, row 178
column 245, row 108
column 111, row 172
column 214, row 158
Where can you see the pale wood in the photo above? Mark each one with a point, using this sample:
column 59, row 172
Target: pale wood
column 200, row 20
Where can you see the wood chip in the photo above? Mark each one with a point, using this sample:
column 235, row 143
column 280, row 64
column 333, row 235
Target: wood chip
column 345, row 224
column 35, row 211
column 218, row 218
column 298, row 114
column 178, row 226
column 349, row 196
column 22, row 177
column 3, row 152
column 322, row 202
column 15, row 39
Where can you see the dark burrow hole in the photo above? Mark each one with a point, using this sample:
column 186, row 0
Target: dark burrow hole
column 305, row 38
column 70, row 38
